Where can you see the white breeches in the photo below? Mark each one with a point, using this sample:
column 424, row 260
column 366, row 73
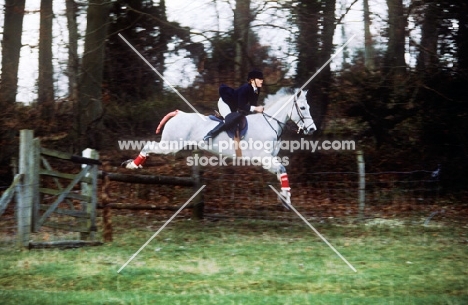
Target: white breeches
column 223, row 108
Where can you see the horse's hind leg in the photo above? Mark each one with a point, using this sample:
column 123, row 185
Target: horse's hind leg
column 152, row 147
column 134, row 163
column 138, row 161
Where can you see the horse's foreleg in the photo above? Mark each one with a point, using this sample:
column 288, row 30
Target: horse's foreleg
column 283, row 178
column 280, row 171
column 285, row 188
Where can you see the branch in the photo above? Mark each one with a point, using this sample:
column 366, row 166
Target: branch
column 437, row 92
column 345, row 13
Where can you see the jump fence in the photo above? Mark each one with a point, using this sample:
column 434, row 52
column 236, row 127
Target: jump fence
column 63, row 205
column 244, row 192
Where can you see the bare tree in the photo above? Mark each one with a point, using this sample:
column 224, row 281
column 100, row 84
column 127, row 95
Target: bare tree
column 462, row 37
column 308, row 39
column 89, row 104
column 73, row 61
column 45, row 97
column 242, row 19
column 395, row 54
column 317, row 23
column 11, row 46
column 427, row 57
column 368, row 44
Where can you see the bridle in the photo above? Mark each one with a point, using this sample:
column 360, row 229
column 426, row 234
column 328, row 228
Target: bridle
column 284, row 125
column 301, row 116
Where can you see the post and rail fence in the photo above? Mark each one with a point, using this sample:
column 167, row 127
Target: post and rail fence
column 63, row 201
column 46, row 197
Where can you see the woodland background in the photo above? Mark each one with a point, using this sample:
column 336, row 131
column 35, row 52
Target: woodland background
column 402, row 96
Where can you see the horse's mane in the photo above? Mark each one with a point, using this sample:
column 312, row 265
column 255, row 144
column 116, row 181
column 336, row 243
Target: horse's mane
column 282, row 94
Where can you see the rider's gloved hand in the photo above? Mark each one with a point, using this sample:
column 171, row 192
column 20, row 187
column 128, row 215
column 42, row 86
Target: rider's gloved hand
column 259, row 109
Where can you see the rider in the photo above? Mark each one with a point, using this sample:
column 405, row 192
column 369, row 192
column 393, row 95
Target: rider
column 242, row 100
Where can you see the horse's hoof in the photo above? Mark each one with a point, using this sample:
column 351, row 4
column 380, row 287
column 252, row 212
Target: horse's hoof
column 130, row 164
column 124, row 164
column 285, row 198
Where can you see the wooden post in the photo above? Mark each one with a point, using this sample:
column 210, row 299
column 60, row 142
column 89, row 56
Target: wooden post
column 107, row 210
column 25, row 191
column 362, row 183
column 35, row 169
column 199, row 204
column 91, row 191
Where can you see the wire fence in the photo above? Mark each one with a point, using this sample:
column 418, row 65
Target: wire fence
column 245, row 193
column 323, row 194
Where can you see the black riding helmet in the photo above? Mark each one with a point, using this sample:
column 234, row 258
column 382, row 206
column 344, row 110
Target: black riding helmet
column 255, row 74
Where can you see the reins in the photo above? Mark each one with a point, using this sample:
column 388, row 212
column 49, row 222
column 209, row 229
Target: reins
column 281, row 124
column 284, row 125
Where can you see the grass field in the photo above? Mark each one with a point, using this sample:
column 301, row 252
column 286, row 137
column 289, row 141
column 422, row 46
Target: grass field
column 246, row 262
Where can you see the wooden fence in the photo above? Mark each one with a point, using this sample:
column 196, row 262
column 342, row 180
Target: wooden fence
column 194, row 181
column 48, row 205
column 47, row 197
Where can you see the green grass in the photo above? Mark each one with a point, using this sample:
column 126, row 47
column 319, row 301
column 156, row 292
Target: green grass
column 246, row 262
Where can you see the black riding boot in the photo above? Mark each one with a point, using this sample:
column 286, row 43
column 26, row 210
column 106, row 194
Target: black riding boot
column 214, row 132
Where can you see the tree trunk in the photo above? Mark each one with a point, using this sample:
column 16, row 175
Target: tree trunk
column 73, row 62
column 164, row 39
column 320, row 107
column 11, row 47
column 89, row 105
column 395, row 55
column 316, row 22
column 242, row 19
column 462, row 38
column 45, row 97
column 307, row 39
column 368, row 44
column 427, row 57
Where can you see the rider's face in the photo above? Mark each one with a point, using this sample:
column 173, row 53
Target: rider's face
column 257, row 82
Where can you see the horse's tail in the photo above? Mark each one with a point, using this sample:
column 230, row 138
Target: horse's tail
column 166, row 118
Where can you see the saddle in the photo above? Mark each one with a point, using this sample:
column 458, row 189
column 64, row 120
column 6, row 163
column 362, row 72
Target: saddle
column 235, row 122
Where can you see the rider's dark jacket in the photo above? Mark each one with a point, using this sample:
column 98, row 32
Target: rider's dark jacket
column 239, row 99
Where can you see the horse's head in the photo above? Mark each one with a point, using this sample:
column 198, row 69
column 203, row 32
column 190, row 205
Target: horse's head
column 300, row 114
